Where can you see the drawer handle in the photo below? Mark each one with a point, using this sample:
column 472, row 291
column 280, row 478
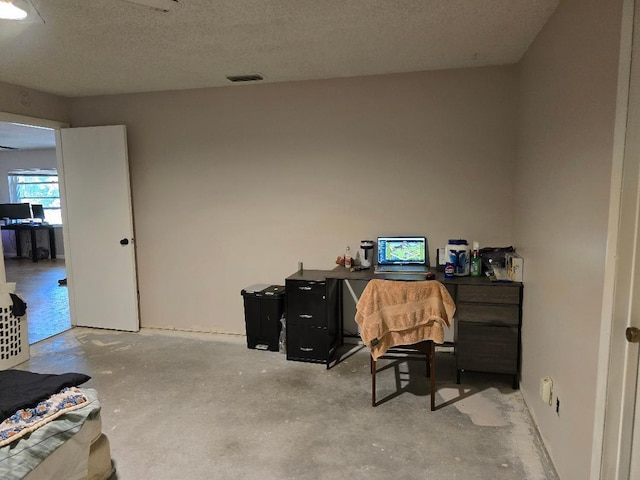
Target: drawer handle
column 304, row 288
column 306, row 349
column 305, row 316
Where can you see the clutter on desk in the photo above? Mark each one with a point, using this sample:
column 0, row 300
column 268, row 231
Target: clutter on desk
column 362, row 260
column 457, row 253
column 498, row 274
column 514, row 266
column 358, row 268
column 366, row 252
column 476, row 262
column 502, row 264
column 347, row 257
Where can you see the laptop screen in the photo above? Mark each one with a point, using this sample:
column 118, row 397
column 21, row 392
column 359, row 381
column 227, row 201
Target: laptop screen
column 402, row 251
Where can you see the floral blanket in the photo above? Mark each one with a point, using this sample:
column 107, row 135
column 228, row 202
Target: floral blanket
column 27, row 420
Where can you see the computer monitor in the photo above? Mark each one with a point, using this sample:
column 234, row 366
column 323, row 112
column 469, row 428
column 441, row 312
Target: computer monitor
column 402, row 251
column 37, row 211
column 15, row 211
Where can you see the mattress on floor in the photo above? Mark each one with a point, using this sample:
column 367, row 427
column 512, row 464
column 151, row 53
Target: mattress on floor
column 71, row 447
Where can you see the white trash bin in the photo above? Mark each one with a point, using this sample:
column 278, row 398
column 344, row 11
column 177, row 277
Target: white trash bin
column 14, row 335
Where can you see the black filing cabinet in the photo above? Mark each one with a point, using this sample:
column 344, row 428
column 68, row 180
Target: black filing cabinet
column 312, row 317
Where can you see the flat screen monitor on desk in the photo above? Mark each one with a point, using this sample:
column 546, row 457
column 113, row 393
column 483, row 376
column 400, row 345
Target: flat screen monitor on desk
column 402, row 251
column 402, row 255
column 15, row 211
column 37, row 211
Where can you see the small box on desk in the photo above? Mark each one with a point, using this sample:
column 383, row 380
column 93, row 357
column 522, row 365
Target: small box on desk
column 514, row 264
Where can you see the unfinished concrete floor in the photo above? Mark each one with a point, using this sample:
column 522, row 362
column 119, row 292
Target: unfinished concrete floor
column 203, row 406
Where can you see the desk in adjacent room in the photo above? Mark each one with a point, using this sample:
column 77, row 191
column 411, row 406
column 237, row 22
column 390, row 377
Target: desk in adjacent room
column 487, row 323
column 33, row 228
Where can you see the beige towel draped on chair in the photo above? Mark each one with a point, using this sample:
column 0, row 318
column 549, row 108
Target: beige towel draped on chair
column 404, row 313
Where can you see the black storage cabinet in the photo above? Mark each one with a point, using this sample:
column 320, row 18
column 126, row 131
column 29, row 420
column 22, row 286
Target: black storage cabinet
column 312, row 317
column 262, row 312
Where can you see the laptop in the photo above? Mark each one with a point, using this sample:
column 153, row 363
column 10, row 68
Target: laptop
column 406, row 255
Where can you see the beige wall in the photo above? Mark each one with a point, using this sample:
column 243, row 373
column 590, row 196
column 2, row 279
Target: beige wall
column 32, row 103
column 233, row 186
column 568, row 81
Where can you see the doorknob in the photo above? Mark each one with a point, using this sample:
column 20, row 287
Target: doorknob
column 633, row 335
column 124, row 241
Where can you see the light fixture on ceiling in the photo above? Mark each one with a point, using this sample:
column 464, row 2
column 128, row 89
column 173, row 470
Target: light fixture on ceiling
column 8, row 11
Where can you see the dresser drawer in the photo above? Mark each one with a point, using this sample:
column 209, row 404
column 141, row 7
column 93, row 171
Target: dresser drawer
column 488, row 294
column 307, row 344
column 487, row 348
column 305, row 286
column 488, row 314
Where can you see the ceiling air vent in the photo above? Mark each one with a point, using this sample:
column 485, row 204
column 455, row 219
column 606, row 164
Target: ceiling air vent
column 254, row 77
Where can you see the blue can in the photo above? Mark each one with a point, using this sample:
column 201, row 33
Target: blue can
column 449, row 270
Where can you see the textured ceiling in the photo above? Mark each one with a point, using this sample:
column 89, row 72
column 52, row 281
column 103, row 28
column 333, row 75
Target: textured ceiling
column 94, row 47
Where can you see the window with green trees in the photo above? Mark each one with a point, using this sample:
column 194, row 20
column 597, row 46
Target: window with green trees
column 37, row 187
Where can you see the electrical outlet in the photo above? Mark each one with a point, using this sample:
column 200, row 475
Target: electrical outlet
column 546, row 388
column 558, row 405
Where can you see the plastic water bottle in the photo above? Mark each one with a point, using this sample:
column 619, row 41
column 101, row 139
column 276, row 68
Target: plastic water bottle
column 347, row 257
column 476, row 262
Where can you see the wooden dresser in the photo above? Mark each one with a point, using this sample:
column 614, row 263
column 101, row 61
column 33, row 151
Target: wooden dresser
column 488, row 325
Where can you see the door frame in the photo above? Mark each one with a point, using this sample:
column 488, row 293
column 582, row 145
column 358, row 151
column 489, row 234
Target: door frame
column 56, row 125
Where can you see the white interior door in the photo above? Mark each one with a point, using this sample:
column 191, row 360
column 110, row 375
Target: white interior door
column 98, row 227
column 621, row 439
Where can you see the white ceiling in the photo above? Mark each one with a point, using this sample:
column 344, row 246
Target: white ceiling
column 78, row 48
column 96, row 47
column 22, row 137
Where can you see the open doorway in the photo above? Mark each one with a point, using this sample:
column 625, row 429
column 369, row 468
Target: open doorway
column 26, row 145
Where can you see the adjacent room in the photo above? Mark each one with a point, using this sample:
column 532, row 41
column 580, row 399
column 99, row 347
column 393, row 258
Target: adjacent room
column 28, row 167
column 205, row 147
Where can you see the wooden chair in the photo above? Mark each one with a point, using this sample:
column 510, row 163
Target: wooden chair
column 426, row 349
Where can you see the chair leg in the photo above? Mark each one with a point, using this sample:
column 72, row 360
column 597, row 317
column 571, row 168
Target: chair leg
column 432, row 368
column 373, row 382
column 428, row 360
column 431, row 372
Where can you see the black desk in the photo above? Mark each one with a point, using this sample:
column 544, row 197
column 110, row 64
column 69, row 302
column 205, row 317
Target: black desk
column 32, row 228
column 488, row 319
column 315, row 317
